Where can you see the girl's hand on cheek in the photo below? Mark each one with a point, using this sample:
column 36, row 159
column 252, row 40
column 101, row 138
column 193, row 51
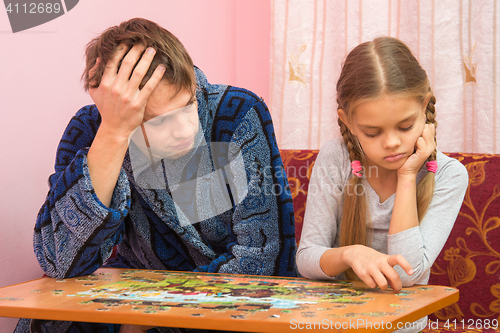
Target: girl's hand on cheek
column 424, row 147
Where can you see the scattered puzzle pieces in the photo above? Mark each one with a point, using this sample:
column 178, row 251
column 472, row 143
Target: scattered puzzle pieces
column 234, row 297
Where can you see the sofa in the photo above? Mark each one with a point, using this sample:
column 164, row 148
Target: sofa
column 470, row 259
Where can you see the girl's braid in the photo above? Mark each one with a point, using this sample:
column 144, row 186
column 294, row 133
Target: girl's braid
column 350, row 141
column 430, row 114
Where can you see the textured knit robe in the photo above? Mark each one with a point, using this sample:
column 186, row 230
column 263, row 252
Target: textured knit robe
column 75, row 233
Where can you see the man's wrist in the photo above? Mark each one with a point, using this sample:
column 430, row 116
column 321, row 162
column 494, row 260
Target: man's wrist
column 112, row 136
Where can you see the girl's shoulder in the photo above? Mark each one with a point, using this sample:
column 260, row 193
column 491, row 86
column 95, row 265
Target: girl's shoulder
column 335, row 147
column 449, row 163
column 449, row 168
column 334, row 156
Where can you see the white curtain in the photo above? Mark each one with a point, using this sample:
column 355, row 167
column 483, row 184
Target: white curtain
column 454, row 40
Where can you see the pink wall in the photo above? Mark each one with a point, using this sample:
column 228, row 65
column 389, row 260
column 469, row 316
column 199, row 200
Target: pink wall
column 40, row 90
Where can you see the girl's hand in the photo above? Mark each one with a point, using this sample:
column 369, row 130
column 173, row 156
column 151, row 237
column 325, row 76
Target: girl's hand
column 425, row 145
column 120, row 101
column 377, row 269
column 134, row 329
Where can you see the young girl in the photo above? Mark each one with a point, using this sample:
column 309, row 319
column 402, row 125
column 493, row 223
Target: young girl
column 382, row 201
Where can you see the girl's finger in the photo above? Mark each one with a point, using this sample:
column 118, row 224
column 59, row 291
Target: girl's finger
column 421, row 146
column 401, row 261
column 380, row 280
column 392, row 277
column 369, row 281
column 395, row 284
column 429, row 133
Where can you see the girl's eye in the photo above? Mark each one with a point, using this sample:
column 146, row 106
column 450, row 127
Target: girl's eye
column 371, row 135
column 407, row 128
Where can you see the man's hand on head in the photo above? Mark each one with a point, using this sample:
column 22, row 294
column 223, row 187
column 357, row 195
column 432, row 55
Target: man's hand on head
column 121, row 105
column 120, row 102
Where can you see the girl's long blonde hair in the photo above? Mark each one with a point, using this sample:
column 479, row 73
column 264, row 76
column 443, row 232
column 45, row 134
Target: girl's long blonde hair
column 383, row 66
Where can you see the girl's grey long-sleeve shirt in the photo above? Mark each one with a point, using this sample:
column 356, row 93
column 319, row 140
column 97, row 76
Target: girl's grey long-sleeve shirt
column 419, row 245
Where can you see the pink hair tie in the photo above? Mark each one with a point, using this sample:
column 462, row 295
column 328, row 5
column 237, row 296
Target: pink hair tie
column 356, row 168
column 431, row 166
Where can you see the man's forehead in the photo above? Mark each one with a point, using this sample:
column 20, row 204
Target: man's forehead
column 167, row 100
column 169, row 92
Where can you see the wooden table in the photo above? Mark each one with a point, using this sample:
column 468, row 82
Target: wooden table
column 221, row 301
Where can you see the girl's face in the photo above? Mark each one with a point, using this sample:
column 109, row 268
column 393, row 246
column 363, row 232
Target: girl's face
column 388, row 128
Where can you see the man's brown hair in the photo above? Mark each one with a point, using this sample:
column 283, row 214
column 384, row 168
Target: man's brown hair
column 170, row 52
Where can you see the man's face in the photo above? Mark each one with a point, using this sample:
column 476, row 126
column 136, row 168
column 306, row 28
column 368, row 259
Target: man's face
column 170, row 122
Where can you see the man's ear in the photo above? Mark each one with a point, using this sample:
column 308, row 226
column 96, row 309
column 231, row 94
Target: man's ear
column 343, row 117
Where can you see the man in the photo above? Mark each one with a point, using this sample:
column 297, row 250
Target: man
column 178, row 173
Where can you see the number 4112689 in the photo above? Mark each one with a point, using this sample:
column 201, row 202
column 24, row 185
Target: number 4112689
column 471, row 324
column 33, row 8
